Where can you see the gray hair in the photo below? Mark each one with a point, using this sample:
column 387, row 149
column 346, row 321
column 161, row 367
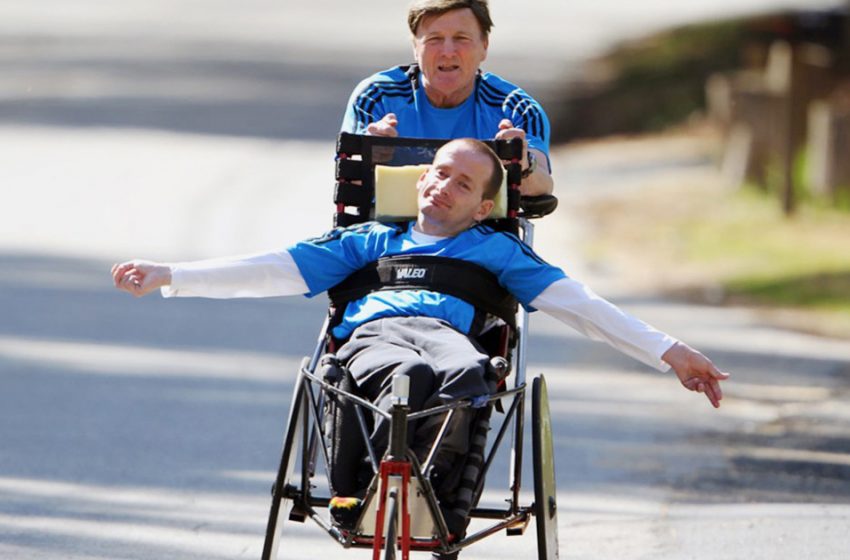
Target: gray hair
column 421, row 9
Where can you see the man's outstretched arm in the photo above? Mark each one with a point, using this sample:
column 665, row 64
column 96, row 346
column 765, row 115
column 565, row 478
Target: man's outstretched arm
column 575, row 304
column 258, row 275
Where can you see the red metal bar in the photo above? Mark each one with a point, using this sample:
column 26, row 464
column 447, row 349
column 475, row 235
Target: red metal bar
column 405, row 511
column 396, row 468
column 379, row 517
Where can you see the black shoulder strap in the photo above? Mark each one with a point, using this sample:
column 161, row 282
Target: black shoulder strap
column 462, row 279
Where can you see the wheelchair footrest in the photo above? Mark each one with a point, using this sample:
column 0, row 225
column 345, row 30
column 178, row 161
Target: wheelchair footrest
column 519, row 527
column 295, row 514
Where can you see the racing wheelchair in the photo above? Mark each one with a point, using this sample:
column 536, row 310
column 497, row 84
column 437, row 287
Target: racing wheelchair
column 387, row 499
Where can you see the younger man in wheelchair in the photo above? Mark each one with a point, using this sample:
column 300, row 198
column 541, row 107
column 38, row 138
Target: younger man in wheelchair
column 425, row 334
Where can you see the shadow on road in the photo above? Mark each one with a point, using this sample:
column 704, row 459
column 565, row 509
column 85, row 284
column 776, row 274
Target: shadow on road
column 202, row 87
column 121, row 418
column 166, row 415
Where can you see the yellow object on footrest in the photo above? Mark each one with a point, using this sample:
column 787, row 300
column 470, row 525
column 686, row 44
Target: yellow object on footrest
column 345, row 511
column 342, row 502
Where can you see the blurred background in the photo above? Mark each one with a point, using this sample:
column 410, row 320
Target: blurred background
column 700, row 155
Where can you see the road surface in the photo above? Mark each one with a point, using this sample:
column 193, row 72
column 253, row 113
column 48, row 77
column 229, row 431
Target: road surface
column 150, row 429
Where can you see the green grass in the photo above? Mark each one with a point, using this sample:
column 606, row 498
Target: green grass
column 695, row 238
column 803, row 261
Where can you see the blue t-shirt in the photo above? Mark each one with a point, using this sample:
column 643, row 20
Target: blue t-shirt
column 398, row 90
column 328, row 260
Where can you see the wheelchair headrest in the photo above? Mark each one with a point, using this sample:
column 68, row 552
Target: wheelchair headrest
column 395, row 193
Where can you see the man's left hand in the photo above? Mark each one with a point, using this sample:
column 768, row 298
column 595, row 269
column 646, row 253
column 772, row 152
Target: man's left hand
column 696, row 372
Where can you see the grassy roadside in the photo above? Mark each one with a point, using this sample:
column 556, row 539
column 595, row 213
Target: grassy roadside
column 713, row 244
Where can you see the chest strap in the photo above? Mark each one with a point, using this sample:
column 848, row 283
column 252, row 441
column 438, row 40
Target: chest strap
column 468, row 281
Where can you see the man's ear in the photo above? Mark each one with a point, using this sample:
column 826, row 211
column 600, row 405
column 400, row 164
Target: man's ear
column 484, row 209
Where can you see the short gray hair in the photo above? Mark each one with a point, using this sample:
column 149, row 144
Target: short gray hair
column 421, row 9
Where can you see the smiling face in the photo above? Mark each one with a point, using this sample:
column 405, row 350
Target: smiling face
column 451, row 192
column 449, row 48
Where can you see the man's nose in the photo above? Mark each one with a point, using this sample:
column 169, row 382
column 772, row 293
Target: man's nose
column 443, row 187
column 449, row 47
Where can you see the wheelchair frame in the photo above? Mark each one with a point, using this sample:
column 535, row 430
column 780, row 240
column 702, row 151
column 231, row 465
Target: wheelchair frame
column 399, row 472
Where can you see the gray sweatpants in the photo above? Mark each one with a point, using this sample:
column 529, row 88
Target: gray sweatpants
column 443, row 365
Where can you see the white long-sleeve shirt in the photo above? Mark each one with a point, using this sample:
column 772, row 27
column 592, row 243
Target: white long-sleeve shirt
column 568, row 300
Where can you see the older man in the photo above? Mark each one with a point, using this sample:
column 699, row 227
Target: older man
column 422, row 333
column 446, row 95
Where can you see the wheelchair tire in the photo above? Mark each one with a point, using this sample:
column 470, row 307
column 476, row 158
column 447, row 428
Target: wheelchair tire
column 280, row 503
column 392, row 525
column 545, row 507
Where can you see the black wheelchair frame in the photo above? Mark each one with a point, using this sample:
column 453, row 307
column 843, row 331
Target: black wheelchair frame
column 400, row 492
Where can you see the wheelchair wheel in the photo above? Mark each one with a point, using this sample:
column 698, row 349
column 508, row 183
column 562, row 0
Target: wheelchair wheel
column 289, row 456
column 392, row 525
column 545, row 510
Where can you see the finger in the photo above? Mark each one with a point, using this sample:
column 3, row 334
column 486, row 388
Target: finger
column 135, row 275
column 707, row 366
column 381, row 128
column 508, row 133
column 121, row 276
column 138, row 285
column 129, row 281
column 505, row 124
column 118, row 271
column 690, row 384
column 126, row 285
column 389, row 120
column 713, row 397
column 721, row 375
column 716, row 389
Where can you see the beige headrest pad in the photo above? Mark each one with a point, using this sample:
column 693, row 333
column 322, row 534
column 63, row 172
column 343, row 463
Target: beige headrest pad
column 395, row 193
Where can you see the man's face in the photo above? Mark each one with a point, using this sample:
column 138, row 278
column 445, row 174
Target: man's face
column 451, row 192
column 449, row 49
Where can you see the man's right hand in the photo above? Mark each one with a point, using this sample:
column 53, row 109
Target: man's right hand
column 384, row 127
column 140, row 277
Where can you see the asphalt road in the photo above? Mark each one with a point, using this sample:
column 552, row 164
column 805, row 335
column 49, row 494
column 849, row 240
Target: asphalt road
column 140, row 429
